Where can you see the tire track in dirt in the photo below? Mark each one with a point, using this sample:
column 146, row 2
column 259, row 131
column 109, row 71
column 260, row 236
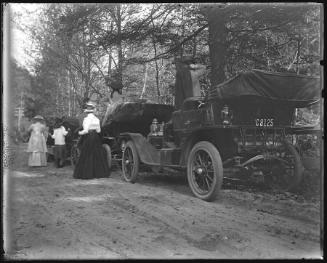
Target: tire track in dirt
column 54, row 213
column 191, row 236
column 115, row 204
column 85, row 220
column 109, row 218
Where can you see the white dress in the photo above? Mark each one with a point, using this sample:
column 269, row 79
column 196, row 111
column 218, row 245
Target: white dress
column 37, row 147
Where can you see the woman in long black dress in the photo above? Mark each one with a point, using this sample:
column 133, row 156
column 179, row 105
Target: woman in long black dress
column 92, row 162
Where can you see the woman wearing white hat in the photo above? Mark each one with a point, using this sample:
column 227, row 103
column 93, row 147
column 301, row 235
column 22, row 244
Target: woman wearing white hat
column 37, row 147
column 92, row 161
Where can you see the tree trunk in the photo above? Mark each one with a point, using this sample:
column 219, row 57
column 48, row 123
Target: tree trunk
column 69, row 94
column 109, row 62
column 217, row 42
column 62, row 95
column 145, row 80
column 157, row 71
column 156, row 61
column 298, row 57
column 194, row 46
column 120, row 49
column 110, row 54
column 57, row 100
column 73, row 85
column 86, row 66
column 183, row 33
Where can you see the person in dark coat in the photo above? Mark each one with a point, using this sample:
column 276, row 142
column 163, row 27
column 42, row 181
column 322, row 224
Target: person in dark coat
column 187, row 82
column 92, row 162
column 183, row 82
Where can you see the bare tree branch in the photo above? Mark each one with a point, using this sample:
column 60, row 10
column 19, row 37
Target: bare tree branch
column 179, row 44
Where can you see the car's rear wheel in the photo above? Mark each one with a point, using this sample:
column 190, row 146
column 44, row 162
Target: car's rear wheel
column 107, row 149
column 284, row 172
column 130, row 162
column 205, row 171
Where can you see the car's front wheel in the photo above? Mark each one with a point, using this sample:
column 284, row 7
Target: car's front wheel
column 74, row 155
column 205, row 171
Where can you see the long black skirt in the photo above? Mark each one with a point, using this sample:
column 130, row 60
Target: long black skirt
column 92, row 162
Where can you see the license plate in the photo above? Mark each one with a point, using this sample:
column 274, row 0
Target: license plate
column 264, row 122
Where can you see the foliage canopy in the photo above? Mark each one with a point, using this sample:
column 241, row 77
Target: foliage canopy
column 88, row 50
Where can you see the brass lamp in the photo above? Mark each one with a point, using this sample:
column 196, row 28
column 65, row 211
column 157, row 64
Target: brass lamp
column 226, row 115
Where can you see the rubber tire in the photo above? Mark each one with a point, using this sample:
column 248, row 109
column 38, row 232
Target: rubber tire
column 108, row 154
column 74, row 148
column 218, row 170
column 136, row 159
column 299, row 169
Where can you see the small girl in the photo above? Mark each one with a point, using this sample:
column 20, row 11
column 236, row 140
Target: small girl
column 59, row 150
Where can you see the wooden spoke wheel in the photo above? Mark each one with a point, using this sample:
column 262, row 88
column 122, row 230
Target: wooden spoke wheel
column 205, row 171
column 74, row 155
column 130, row 162
column 284, row 172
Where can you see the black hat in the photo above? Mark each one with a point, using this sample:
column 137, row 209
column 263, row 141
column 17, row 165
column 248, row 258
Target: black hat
column 58, row 122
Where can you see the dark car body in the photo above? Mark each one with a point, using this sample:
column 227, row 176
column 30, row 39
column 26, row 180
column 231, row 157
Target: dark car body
column 240, row 129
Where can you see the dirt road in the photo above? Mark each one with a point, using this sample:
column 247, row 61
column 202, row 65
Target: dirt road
column 50, row 215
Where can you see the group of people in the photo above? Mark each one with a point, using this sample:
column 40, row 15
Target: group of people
column 92, row 162
column 37, row 147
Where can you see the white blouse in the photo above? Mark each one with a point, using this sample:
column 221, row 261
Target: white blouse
column 90, row 122
column 59, row 135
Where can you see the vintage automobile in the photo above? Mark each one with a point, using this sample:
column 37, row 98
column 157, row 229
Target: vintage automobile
column 241, row 129
column 133, row 117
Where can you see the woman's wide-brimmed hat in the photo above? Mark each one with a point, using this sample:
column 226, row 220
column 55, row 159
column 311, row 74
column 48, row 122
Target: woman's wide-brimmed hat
column 38, row 117
column 90, row 107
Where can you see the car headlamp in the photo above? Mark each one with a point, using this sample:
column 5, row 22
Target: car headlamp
column 123, row 145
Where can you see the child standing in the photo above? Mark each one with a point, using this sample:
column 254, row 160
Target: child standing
column 59, row 149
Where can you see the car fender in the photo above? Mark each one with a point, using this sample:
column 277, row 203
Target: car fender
column 189, row 141
column 186, row 148
column 147, row 152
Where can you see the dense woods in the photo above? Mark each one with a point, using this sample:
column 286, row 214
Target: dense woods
column 89, row 50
